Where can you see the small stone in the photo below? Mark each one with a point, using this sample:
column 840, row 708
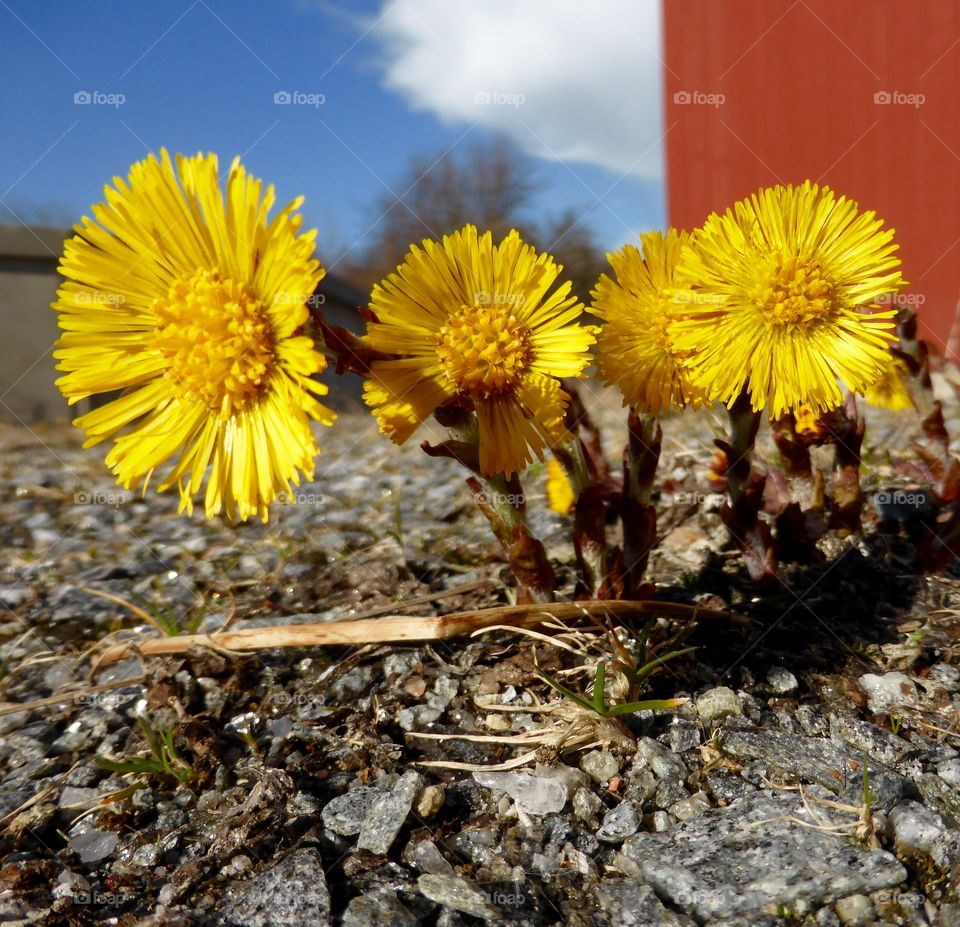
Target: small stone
column 764, row 852
column 944, row 675
column 425, row 856
column 381, row 908
column 916, row 829
column 949, row 771
column 681, row 735
column 662, row 761
column 430, row 801
column 497, row 722
column 716, row 704
column 888, row 691
column 658, row 822
column 167, row 894
column 456, row 893
column 727, row 787
column 669, row 792
column 781, row 681
column 344, row 814
column 628, row 903
column 387, row 815
column 599, row 765
column 544, row 791
column 76, row 797
column 290, row 893
column 93, row 845
column 620, row 822
column 855, row 911
column 689, row 807
column 586, row 805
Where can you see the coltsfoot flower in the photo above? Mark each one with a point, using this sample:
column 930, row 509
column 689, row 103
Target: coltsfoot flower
column 481, row 323
column 192, row 305
column 560, row 494
column 891, row 390
column 784, row 300
column 634, row 348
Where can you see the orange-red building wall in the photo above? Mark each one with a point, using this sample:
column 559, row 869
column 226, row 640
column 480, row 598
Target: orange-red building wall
column 863, row 95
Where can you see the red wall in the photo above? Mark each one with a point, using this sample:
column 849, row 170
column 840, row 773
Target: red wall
column 794, row 85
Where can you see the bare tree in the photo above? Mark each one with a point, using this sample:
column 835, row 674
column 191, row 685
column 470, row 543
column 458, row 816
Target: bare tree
column 490, row 185
column 573, row 243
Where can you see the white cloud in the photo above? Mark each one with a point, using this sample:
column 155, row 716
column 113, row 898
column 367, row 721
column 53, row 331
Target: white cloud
column 569, row 79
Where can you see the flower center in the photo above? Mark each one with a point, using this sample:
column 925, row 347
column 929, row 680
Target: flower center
column 483, row 350
column 217, row 340
column 796, row 293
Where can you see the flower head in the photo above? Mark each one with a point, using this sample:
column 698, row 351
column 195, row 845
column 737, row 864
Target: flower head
column 634, row 348
column 560, row 494
column 891, row 390
column 482, row 324
column 784, row 291
column 191, row 304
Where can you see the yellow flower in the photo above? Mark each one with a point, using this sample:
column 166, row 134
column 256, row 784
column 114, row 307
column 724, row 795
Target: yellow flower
column 191, row 304
column 560, row 497
column 807, row 422
column 474, row 321
column 784, row 297
column 634, row 348
column 891, row 390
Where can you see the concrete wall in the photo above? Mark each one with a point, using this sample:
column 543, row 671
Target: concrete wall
column 28, row 285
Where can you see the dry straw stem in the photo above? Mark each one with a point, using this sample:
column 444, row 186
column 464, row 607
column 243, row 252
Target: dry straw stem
column 402, row 628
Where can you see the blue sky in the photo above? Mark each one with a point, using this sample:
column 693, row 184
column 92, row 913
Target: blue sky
column 397, row 79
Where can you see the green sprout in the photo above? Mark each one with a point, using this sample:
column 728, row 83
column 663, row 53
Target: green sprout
column 163, row 759
column 635, row 659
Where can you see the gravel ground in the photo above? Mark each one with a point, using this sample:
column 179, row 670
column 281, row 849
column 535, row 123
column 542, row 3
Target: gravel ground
column 302, row 793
